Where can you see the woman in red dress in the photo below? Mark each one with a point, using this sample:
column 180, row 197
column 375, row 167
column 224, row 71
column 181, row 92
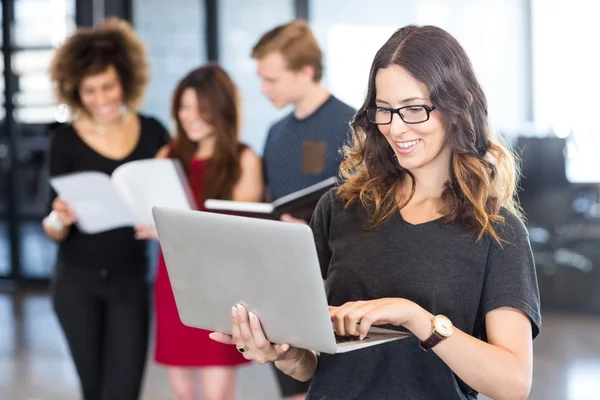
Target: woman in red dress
column 206, row 111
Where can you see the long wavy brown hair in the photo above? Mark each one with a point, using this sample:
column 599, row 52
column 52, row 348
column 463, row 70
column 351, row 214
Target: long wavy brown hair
column 483, row 169
column 219, row 106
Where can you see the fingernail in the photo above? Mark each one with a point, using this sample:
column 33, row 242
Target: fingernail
column 285, row 347
column 362, row 336
column 210, row 335
column 239, row 310
column 234, row 311
column 252, row 317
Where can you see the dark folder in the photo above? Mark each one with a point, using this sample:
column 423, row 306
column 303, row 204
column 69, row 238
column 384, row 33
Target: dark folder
column 300, row 204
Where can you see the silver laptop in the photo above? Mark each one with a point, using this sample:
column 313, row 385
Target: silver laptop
column 215, row 261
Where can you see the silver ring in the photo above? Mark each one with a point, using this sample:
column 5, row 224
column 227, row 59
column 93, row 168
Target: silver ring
column 242, row 349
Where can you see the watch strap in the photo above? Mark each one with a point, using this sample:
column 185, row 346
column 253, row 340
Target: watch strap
column 431, row 341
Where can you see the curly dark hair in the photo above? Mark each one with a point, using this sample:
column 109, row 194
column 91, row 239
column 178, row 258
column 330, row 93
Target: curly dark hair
column 483, row 169
column 90, row 51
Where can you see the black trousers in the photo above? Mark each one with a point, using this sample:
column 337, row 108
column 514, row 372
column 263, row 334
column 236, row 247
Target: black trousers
column 105, row 317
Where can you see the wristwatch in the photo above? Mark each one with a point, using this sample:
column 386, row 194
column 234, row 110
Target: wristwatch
column 442, row 330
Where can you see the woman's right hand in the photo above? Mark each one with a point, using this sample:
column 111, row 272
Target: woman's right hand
column 249, row 338
column 64, row 212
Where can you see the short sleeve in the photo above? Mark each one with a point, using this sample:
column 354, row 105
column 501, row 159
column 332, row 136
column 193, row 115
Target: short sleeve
column 59, row 161
column 511, row 279
column 265, row 157
column 320, row 224
column 264, row 171
column 161, row 133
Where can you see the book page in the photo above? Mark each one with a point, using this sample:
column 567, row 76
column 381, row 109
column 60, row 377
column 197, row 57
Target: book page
column 95, row 201
column 317, row 189
column 154, row 182
column 238, row 206
column 300, row 203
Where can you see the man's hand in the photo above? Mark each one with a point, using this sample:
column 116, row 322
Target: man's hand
column 289, row 218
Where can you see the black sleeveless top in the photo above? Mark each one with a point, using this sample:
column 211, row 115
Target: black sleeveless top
column 114, row 249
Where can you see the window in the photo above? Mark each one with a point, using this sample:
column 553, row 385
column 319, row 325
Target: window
column 172, row 32
column 566, row 80
column 491, row 31
column 241, row 24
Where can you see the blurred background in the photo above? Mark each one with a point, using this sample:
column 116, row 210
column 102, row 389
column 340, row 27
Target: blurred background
column 538, row 62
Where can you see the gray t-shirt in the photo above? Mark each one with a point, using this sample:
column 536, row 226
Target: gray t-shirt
column 301, row 152
column 439, row 266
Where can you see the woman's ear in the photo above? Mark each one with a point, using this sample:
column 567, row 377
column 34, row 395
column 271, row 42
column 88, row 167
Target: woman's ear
column 469, row 98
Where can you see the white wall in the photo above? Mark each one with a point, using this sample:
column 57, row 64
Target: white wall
column 174, row 35
column 491, row 31
column 241, row 24
column 566, row 80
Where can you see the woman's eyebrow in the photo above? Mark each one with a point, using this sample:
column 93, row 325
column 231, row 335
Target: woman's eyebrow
column 402, row 101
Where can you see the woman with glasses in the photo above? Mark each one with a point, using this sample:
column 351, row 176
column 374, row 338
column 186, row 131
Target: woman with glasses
column 423, row 235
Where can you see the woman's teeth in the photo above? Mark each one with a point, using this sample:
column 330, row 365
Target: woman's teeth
column 406, row 145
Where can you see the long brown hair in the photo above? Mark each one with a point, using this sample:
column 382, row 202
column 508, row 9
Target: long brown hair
column 219, row 106
column 483, row 170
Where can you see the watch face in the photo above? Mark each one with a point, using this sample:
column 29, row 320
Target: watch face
column 443, row 326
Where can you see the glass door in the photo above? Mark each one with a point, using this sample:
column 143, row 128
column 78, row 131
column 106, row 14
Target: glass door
column 37, row 28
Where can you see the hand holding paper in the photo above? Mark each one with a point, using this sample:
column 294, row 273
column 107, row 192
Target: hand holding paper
column 64, row 213
column 143, row 232
column 100, row 202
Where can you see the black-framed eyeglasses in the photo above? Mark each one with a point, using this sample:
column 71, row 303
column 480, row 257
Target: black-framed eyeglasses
column 409, row 114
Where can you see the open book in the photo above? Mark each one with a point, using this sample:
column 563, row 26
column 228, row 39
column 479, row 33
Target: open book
column 126, row 198
column 299, row 204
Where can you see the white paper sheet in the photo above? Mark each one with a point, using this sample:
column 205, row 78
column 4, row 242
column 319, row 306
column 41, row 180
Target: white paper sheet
column 95, row 201
column 149, row 183
column 102, row 203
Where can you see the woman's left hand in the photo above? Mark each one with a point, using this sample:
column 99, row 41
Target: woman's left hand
column 393, row 311
column 144, row 232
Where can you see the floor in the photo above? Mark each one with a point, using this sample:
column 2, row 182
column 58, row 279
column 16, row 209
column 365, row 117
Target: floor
column 34, row 363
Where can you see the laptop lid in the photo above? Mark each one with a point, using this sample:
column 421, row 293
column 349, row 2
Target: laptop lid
column 215, row 261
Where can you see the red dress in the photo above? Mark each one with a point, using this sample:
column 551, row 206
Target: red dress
column 177, row 344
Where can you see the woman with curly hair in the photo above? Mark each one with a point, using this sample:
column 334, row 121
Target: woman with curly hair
column 424, row 235
column 99, row 289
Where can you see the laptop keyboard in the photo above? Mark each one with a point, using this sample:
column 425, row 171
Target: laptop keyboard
column 344, row 339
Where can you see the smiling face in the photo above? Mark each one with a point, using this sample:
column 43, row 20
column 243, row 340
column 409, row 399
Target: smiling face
column 415, row 145
column 102, row 95
column 190, row 115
